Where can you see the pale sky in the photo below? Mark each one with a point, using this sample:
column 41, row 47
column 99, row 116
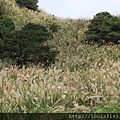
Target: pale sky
column 79, row 8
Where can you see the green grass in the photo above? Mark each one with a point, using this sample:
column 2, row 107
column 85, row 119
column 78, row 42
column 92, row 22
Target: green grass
column 109, row 108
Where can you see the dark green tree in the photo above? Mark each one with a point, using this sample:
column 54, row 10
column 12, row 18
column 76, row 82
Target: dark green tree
column 103, row 28
column 27, row 46
column 30, row 4
column 114, row 34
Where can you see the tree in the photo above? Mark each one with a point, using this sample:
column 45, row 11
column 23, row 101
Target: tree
column 27, row 46
column 103, row 28
column 30, row 4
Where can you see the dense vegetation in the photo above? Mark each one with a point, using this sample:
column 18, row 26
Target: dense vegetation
column 84, row 79
column 26, row 45
column 30, row 4
column 104, row 28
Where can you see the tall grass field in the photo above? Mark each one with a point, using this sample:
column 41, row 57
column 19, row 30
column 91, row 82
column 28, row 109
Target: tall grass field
column 85, row 78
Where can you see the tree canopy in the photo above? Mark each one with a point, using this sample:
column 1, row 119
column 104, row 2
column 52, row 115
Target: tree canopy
column 103, row 28
column 30, row 4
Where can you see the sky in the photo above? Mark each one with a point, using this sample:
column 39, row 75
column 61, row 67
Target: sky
column 79, row 8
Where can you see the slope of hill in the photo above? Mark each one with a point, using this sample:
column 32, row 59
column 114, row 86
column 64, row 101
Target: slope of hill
column 23, row 16
column 84, row 79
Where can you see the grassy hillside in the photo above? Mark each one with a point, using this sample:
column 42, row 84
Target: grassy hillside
column 84, row 79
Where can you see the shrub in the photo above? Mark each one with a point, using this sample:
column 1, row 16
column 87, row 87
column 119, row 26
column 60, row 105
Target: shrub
column 103, row 28
column 27, row 46
column 53, row 27
column 30, row 4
